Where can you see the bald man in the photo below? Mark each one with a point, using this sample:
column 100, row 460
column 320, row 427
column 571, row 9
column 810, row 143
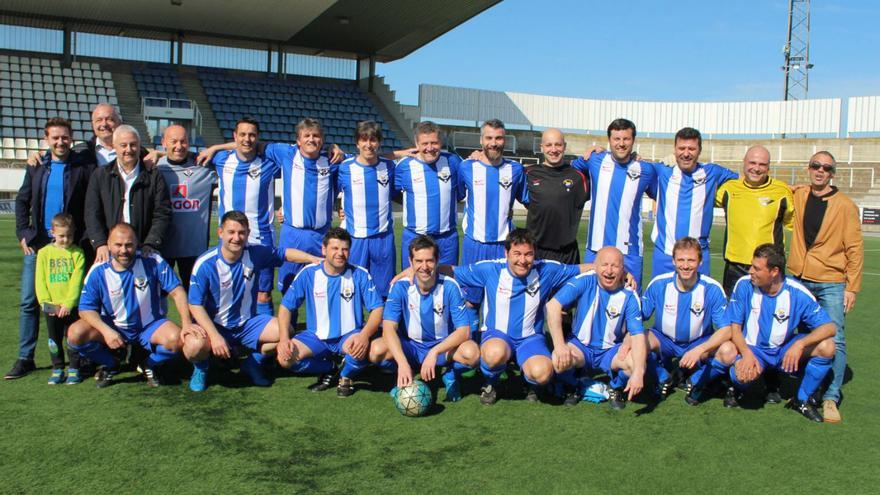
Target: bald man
column 190, row 188
column 757, row 208
column 557, row 194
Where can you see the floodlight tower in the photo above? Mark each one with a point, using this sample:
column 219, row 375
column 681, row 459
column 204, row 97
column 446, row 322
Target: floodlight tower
column 797, row 51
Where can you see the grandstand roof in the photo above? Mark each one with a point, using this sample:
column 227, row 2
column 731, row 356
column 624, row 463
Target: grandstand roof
column 389, row 29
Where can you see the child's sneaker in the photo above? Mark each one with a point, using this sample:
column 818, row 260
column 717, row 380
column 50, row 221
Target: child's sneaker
column 57, row 376
column 73, row 377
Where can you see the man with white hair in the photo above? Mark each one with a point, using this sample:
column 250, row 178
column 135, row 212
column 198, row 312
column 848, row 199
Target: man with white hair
column 126, row 191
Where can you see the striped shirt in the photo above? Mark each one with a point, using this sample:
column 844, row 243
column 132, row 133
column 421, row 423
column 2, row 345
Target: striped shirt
column 430, row 193
column 366, row 196
column 685, row 316
column 490, row 192
column 249, row 187
column 309, row 186
column 603, row 317
column 428, row 318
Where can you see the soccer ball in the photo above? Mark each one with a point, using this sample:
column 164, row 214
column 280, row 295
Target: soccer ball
column 414, row 399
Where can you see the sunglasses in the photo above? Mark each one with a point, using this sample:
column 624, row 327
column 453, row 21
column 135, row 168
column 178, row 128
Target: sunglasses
column 817, row 166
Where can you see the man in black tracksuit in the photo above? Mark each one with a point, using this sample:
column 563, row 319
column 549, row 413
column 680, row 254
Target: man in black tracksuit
column 557, row 194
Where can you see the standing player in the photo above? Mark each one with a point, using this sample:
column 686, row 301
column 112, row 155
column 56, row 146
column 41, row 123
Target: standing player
column 557, row 194
column 606, row 312
column 366, row 183
column 190, row 188
column 688, row 304
column 121, row 303
column 429, row 182
column 335, row 294
column 685, row 201
column 436, row 324
column 618, row 182
column 765, row 310
column 224, row 287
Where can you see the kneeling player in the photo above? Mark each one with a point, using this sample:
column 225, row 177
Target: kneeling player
column 223, row 296
column 606, row 310
column 335, row 293
column 765, row 310
column 121, row 304
column 687, row 305
column 430, row 305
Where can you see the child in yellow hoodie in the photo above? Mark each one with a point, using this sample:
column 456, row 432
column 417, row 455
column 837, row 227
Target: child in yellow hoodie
column 59, row 278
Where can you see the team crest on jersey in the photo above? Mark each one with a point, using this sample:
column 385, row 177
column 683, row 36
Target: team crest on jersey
column 505, row 182
column 633, row 173
column 765, row 201
column 140, row 283
column 533, row 287
column 323, row 171
column 254, row 172
column 382, row 178
column 697, row 309
column 780, row 316
column 612, row 312
column 346, row 291
column 444, row 175
column 568, row 183
column 247, row 272
column 438, row 308
column 700, row 177
column 188, row 172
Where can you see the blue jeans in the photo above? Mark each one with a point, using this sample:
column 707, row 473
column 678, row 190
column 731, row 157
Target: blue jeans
column 830, row 297
column 29, row 313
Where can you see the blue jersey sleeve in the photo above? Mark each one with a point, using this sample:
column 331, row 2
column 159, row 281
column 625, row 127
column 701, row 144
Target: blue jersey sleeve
column 580, row 164
column 633, row 315
column 464, row 172
column 219, row 159
column 648, row 300
column 91, row 298
column 168, row 280
column 739, row 301
column 199, row 285
column 522, row 188
column 297, row 291
column 649, row 170
column 401, row 174
column 473, row 274
column 558, row 274
column 457, row 309
column 369, row 294
column 455, row 169
column 279, row 153
column 266, row 256
column 395, row 303
column 573, row 289
column 813, row 316
column 717, row 306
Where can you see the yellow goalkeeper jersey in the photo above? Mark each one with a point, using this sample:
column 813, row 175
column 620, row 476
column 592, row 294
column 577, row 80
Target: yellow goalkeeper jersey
column 755, row 216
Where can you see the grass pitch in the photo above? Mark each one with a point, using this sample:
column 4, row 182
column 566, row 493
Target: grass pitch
column 235, row 438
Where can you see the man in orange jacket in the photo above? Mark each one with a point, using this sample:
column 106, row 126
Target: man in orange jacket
column 826, row 255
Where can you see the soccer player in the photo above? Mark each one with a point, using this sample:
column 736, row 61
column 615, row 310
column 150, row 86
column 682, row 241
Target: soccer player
column 191, row 189
column 617, row 183
column 436, row 324
column 685, row 201
column 766, row 308
column 606, row 312
column 224, row 287
column 121, row 303
column 367, row 185
column 688, row 306
column 827, row 257
column 335, row 293
column 429, row 182
column 515, row 290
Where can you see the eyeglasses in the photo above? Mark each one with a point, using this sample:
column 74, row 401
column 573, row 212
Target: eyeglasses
column 817, row 166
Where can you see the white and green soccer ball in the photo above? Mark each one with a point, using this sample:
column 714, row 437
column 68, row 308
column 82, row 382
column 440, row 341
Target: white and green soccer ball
column 414, row 399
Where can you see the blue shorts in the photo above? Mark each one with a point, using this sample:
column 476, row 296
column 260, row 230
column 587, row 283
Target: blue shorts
column 377, row 255
column 663, row 263
column 669, row 349
column 631, row 262
column 307, row 240
column 473, row 251
column 323, row 349
column 247, row 335
column 596, row 359
column 448, row 244
column 521, row 349
column 772, row 358
column 142, row 336
column 416, row 352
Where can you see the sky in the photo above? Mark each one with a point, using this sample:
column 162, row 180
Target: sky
column 647, row 50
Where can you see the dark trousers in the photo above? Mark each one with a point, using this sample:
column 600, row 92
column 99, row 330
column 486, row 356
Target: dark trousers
column 567, row 255
column 57, row 329
column 732, row 273
column 184, row 268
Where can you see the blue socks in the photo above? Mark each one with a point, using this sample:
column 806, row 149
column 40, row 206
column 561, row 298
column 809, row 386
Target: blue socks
column 567, row 377
column 351, row 367
column 159, row 355
column 265, row 308
column 491, row 374
column 619, row 380
column 387, row 365
column 708, row 373
column 654, row 364
column 97, row 352
column 814, row 373
column 312, row 366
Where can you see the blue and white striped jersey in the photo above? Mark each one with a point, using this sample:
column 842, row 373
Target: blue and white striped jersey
column 515, row 305
column 249, row 187
column 771, row 321
column 616, row 192
column 490, row 192
column 334, row 303
column 366, row 196
column 602, row 318
column 685, row 202
column 430, row 193
column 133, row 297
column 685, row 316
column 228, row 291
column 309, row 186
column 427, row 318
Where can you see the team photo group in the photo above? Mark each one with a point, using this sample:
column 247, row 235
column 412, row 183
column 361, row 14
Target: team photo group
column 110, row 231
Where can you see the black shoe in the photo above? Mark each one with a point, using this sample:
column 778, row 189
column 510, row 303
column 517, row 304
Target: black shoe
column 104, row 378
column 665, row 388
column 617, row 399
column 532, row 394
column 730, row 398
column 21, row 368
column 572, row 398
column 324, row 382
column 773, row 397
column 807, row 410
column 345, row 387
column 488, row 395
column 692, row 395
column 151, row 377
